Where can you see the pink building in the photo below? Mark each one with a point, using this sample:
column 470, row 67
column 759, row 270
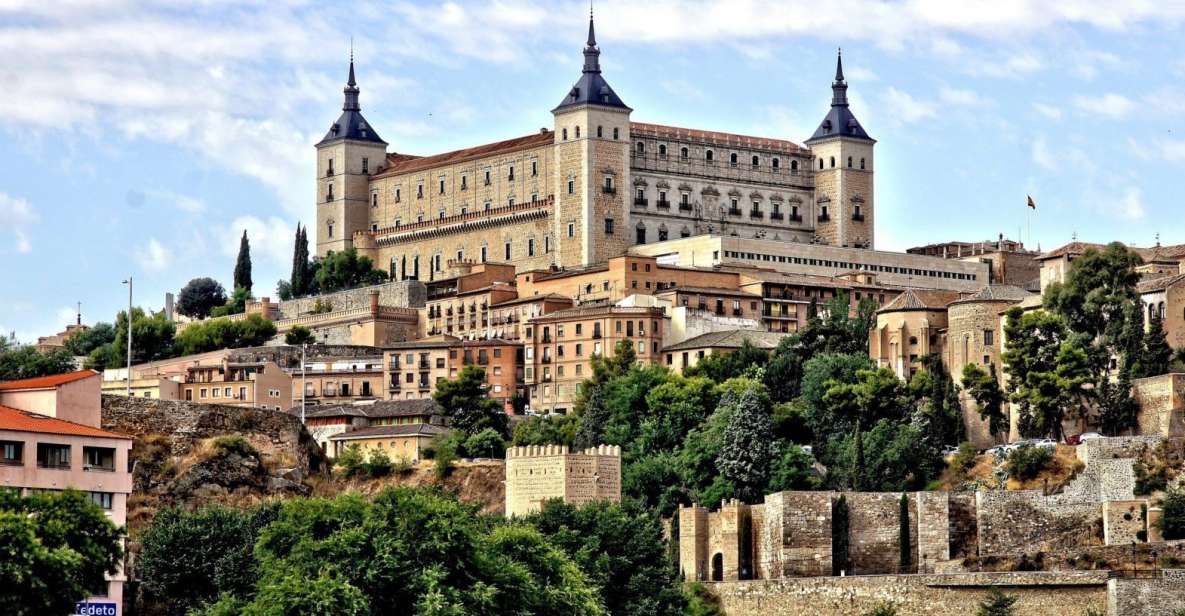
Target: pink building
column 50, row 440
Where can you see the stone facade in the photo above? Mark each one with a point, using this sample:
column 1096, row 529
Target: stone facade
column 1125, row 522
column 1163, row 595
column 394, row 294
column 1038, row 594
column 535, row 474
column 975, row 335
column 1162, row 404
column 1027, row 522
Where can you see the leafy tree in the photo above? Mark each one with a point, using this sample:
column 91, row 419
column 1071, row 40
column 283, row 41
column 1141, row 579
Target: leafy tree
column 892, row 459
column 216, row 334
column 189, row 558
column 152, row 337
column 346, row 270
column 1026, row 462
column 237, row 304
column 284, row 290
column 1118, row 410
column 621, row 547
column 1047, row 370
column 1172, row 520
column 26, row 362
column 299, row 335
column 593, row 416
column 464, row 401
column 984, row 387
column 487, row 443
column 996, row 603
column 1099, row 288
column 242, row 276
column 297, row 595
column 1157, row 354
column 57, row 550
column 749, row 447
column 723, row 366
column 200, row 296
column 84, row 342
column 546, row 430
column 793, row 470
column 350, row 460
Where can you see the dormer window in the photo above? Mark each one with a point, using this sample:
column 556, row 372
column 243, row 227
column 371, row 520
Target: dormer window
column 335, row 129
column 826, row 126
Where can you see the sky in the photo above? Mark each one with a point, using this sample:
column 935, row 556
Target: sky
column 141, row 138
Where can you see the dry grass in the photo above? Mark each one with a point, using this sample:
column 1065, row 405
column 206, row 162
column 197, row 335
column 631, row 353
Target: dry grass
column 1063, row 467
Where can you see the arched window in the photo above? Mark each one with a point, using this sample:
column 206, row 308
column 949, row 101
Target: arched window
column 683, row 153
column 793, row 166
column 641, row 147
column 709, row 156
column 615, row 133
column 578, row 134
column 832, row 158
column 565, row 132
column 820, row 162
column 861, row 163
column 776, row 163
column 1162, row 312
column 732, row 159
column 600, row 132
column 849, row 162
column 640, row 233
column 756, row 161
column 662, row 150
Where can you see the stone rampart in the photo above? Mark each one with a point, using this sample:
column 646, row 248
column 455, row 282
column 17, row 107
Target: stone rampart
column 1116, row 447
column 1038, row 594
column 535, row 474
column 874, row 532
column 1027, row 522
column 1163, row 595
column 399, row 294
column 1162, row 404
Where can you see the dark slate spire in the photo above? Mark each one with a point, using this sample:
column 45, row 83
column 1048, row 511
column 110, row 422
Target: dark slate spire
column 591, row 88
column 839, row 121
column 351, row 124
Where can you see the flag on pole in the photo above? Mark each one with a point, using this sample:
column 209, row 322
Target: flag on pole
column 1032, row 204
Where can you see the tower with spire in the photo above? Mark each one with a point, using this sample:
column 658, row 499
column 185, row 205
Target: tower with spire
column 592, row 137
column 347, row 156
column 843, row 160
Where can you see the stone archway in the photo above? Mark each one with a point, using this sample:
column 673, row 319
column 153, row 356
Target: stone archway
column 718, row 567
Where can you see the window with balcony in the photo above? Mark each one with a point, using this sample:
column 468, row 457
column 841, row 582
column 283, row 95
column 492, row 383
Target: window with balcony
column 50, row 455
column 98, row 459
column 608, row 187
column 640, row 197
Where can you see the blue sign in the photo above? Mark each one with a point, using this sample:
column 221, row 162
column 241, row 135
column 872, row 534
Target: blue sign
column 86, row 608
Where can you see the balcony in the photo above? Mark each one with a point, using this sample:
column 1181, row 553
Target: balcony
column 546, row 338
column 795, row 218
column 776, row 216
column 424, row 386
column 424, row 364
column 663, row 205
column 684, row 207
column 732, row 211
column 756, row 214
column 642, row 202
column 394, row 386
column 596, row 335
column 824, row 218
column 858, row 217
column 736, row 312
column 609, row 190
column 545, row 360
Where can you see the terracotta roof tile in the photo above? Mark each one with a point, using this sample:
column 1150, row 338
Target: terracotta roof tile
column 921, row 299
column 1158, row 284
column 405, row 164
column 23, row 421
column 400, row 430
column 731, row 339
column 47, row 382
column 675, row 132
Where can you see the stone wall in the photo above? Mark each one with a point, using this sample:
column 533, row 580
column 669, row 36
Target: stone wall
column 1162, row 404
column 964, row 525
column 933, row 522
column 1124, row 522
column 288, row 357
column 279, row 437
column 874, row 532
column 1038, row 594
column 1116, row 447
column 538, row 473
column 1158, row 596
column 1027, row 522
column 797, row 534
column 399, row 294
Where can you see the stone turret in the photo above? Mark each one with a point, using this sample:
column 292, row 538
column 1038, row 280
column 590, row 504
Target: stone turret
column 538, row 473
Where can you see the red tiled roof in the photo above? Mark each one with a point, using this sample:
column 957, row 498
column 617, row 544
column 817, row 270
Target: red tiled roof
column 405, row 163
column 47, row 382
column 23, row 421
column 708, row 135
column 1159, row 283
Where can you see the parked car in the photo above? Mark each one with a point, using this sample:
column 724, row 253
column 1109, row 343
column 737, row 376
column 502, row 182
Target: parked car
column 1088, row 436
column 949, row 451
column 1074, row 439
column 1044, row 443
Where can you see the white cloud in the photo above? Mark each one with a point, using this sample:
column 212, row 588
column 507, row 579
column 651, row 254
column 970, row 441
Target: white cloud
column 1128, row 206
column 1109, row 105
column 1168, row 150
column 271, row 239
column 17, row 215
column 1049, row 111
column 1041, row 154
column 956, row 96
column 154, row 257
column 905, row 109
column 1016, row 64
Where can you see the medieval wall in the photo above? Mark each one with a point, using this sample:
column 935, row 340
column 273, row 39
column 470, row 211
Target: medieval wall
column 874, row 532
column 538, row 473
column 1159, row 596
column 796, row 534
column 1124, row 522
column 1038, row 594
column 933, row 529
column 399, row 294
column 1027, row 522
column 1162, row 404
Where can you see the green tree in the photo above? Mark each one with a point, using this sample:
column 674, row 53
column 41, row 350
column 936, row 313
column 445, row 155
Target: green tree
column 237, row 304
column 905, row 561
column 346, row 270
column 1157, row 354
column 1172, row 520
column 546, row 430
column 1047, row 370
column 996, row 603
column 749, row 447
column 723, row 366
column 200, row 296
column 793, row 470
column 1027, row 461
column 621, row 547
column 84, row 342
column 188, row 558
column 984, row 387
column 214, row 334
column 26, row 362
column 488, row 443
column 465, row 402
column 242, row 277
column 299, row 335
column 297, row 595
column 57, row 548
column 152, row 337
column 1099, row 288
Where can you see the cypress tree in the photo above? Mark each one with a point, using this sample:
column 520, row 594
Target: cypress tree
column 243, row 264
column 839, row 535
column 1157, row 353
column 903, row 538
column 859, row 470
column 297, row 278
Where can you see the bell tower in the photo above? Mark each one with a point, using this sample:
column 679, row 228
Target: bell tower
column 350, row 152
column 843, row 167
column 592, row 167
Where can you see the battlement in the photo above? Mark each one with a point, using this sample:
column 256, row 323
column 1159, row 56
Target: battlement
column 537, row 473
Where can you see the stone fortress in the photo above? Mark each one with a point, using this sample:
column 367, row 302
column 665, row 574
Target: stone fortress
column 588, row 188
column 535, row 474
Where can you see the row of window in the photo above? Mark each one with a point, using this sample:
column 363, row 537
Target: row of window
column 775, row 162
column 600, row 132
column 57, row 456
column 619, row 326
column 888, row 269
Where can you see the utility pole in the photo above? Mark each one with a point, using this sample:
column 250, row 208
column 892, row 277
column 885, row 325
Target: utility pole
column 129, row 374
column 303, row 347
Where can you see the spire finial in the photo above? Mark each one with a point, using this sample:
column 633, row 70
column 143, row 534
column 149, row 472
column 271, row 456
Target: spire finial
column 350, row 82
column 839, row 65
column 592, row 37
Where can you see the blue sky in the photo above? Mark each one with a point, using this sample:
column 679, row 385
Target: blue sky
column 141, row 138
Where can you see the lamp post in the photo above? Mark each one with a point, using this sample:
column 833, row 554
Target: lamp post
column 129, row 374
column 303, row 383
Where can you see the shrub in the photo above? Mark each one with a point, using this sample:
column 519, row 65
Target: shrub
column 485, row 444
column 1094, row 610
column 1172, row 520
column 996, row 603
column 298, row 335
column 444, row 450
column 884, row 609
column 234, row 443
column 350, row 460
column 321, row 306
column 964, row 458
column 1027, row 461
column 1150, row 479
column 378, row 463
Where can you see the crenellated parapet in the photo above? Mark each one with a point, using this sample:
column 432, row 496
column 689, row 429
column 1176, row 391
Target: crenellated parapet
column 537, row 473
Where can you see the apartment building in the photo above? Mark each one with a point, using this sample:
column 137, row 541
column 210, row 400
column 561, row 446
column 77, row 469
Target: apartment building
column 687, row 354
column 338, row 380
column 260, row 384
column 412, row 369
column 786, row 298
column 329, row 420
column 619, row 278
column 558, row 348
column 50, row 440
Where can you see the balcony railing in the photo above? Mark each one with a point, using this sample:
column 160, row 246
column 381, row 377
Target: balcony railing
column 609, row 190
column 642, row 202
column 663, row 205
column 858, row 217
column 756, row 214
column 424, row 365
column 98, row 468
column 685, row 207
column 795, row 218
column 776, row 216
column 732, row 211
column 425, row 385
column 824, row 218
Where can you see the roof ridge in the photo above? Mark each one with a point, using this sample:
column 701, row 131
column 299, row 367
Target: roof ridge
column 49, row 380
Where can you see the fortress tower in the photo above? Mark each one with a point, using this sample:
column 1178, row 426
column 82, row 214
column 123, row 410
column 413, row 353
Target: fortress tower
column 346, row 157
column 843, row 173
column 592, row 167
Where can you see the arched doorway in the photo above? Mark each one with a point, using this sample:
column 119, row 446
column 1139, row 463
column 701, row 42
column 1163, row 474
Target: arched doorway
column 718, row 567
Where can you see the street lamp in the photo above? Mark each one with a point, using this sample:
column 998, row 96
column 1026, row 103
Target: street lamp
column 303, row 382
column 129, row 374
